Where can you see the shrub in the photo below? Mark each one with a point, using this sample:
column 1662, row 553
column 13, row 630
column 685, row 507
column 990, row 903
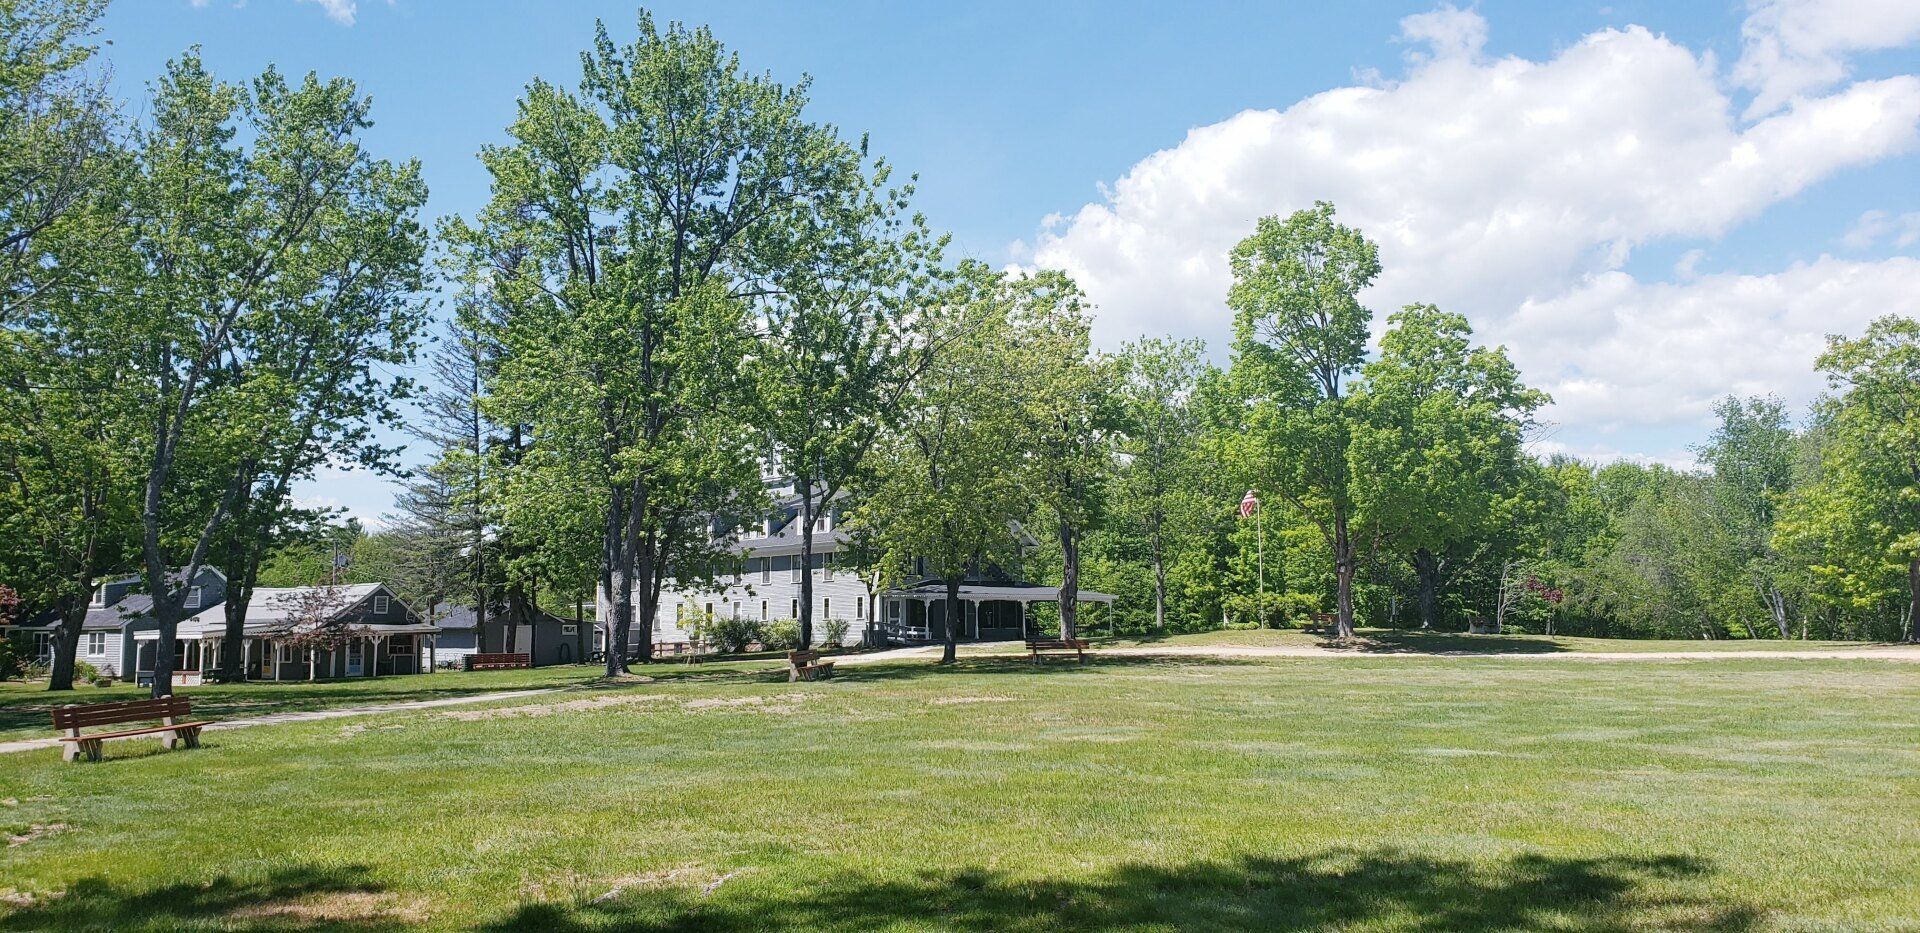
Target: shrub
column 10, row 662
column 836, row 630
column 103, row 682
column 84, row 673
column 35, row 670
column 781, row 635
column 730, row 636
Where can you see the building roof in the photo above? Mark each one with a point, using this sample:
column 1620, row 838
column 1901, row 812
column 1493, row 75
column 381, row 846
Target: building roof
column 273, row 610
column 1013, row 592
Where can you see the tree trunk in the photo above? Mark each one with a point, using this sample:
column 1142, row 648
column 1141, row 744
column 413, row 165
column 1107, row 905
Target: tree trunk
column 806, row 563
column 66, row 646
column 1777, row 603
column 1159, row 581
column 1913, row 600
column 617, row 580
column 234, row 614
column 1427, row 567
column 1069, row 581
column 950, row 647
column 516, row 612
column 1344, row 566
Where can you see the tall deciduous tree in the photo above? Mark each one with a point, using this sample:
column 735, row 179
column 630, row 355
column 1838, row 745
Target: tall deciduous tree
column 1300, row 336
column 1436, row 458
column 945, row 491
column 1159, row 490
column 1752, row 456
column 1066, row 412
column 274, row 266
column 841, row 342
column 1865, row 506
column 630, row 226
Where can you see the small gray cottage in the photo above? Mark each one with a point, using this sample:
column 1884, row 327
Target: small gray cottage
column 549, row 639
column 115, row 618
column 369, row 631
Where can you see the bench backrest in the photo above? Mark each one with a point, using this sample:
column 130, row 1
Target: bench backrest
column 519, row 659
column 105, row 714
column 802, row 657
column 1056, row 643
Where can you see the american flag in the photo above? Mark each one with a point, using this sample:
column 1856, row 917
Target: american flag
column 1249, row 505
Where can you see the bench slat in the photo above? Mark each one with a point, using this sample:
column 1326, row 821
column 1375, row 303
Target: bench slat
column 98, row 736
column 101, row 714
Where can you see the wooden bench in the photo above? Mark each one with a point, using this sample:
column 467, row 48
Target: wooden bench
column 170, row 711
column 1037, row 646
column 498, row 662
column 806, row 665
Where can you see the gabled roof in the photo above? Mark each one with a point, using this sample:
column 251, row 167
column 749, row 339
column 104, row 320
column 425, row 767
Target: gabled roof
column 273, row 608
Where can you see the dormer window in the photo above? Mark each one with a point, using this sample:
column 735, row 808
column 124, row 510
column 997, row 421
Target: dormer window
column 381, row 604
column 99, row 597
column 193, row 597
column 766, row 528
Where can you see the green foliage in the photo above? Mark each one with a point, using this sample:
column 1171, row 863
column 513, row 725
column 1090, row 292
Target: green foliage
column 781, row 635
column 729, row 635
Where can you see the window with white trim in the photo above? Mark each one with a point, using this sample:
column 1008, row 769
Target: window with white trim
column 99, row 596
column 381, row 604
column 826, row 608
column 794, row 568
column 766, row 570
column 796, row 610
column 193, row 597
column 763, row 610
column 859, row 607
column 96, row 644
column 826, row 564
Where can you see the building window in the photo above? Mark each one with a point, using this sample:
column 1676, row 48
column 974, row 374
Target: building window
column 570, row 630
column 763, row 610
column 193, row 597
column 794, row 567
column 400, row 645
column 709, row 610
column 381, row 604
column 796, row 609
column 826, row 564
column 99, row 596
column 736, row 609
column 859, row 607
column 826, row 608
column 766, row 570
column 96, row 644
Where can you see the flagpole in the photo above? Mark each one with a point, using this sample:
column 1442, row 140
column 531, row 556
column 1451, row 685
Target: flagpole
column 1260, row 560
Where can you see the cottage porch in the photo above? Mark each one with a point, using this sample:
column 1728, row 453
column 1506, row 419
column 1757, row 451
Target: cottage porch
column 991, row 613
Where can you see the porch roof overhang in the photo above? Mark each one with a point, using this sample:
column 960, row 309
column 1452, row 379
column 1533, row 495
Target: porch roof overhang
column 979, row 592
column 278, row 630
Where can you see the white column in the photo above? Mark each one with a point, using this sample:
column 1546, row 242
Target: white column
column 274, row 647
column 313, row 663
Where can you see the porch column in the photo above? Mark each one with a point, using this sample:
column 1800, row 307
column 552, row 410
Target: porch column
column 313, row 663
column 274, row 646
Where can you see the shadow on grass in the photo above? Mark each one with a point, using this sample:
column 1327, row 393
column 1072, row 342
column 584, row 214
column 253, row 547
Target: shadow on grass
column 299, row 898
column 1389, row 641
column 1332, row 890
column 915, row 669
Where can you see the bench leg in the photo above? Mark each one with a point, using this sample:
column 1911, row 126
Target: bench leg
column 90, row 748
column 190, row 737
column 69, row 751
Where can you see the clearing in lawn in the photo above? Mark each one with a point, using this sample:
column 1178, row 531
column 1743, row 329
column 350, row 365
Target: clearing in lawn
column 1375, row 793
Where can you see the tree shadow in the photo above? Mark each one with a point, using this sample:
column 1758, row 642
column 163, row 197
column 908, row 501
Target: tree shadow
column 1330, row 890
column 1053, row 665
column 1391, row 641
column 298, row 898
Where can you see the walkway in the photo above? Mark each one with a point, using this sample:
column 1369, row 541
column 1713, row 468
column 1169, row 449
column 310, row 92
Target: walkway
column 316, row 715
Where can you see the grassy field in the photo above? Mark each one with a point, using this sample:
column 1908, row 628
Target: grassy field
column 1402, row 640
column 1386, row 794
column 24, row 706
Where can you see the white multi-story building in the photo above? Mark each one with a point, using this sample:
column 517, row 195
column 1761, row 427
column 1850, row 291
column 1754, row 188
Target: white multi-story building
column 768, row 589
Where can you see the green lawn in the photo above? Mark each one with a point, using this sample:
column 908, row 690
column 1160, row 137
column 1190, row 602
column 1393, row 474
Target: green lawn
column 24, row 707
column 1375, row 794
column 1402, row 640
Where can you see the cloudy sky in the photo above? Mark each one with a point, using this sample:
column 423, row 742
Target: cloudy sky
column 1652, row 205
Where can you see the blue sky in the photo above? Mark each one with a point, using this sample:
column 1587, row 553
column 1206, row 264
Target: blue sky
column 1651, row 204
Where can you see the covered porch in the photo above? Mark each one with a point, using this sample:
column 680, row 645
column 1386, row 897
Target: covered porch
column 990, row 612
column 282, row 655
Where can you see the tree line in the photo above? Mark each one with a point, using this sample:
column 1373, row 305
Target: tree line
column 681, row 276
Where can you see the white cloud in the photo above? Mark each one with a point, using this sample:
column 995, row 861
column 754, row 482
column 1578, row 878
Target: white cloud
column 1602, row 453
column 1510, row 190
column 1448, row 32
column 340, row 11
column 1619, row 353
column 1794, row 47
column 1902, row 230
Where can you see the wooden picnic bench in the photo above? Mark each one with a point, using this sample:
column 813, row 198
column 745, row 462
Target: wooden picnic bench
column 170, row 711
column 498, row 662
column 1038, row 646
column 806, row 665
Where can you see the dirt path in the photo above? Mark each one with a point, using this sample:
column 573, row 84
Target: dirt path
column 274, row 719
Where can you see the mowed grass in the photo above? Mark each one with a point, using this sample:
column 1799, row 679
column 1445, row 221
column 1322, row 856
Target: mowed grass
column 25, row 707
column 1136, row 793
column 1416, row 642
